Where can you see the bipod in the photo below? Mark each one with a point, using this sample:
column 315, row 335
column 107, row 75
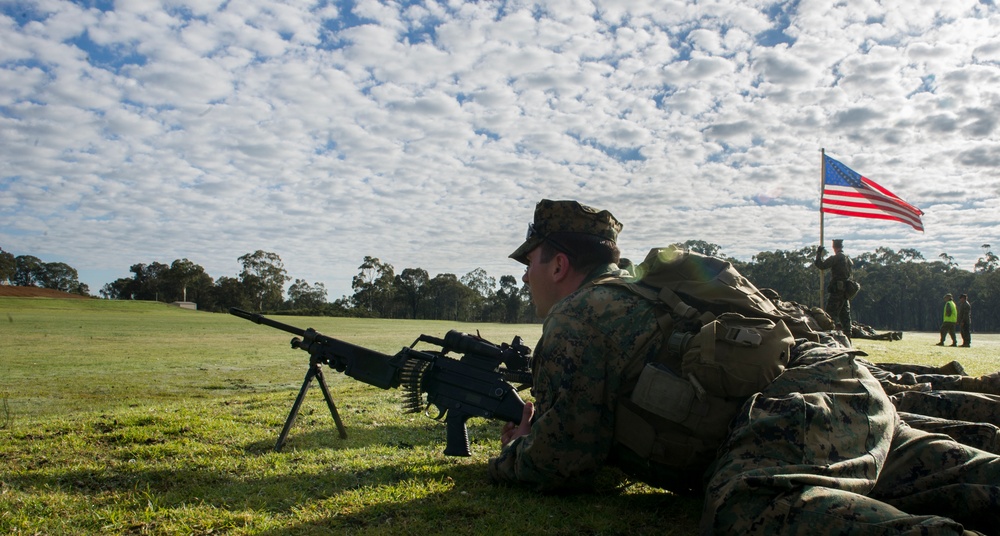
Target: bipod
column 315, row 371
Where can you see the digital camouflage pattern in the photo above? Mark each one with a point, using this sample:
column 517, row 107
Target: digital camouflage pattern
column 934, row 399
column 951, row 405
column 927, row 378
column 823, row 450
column 566, row 217
column 823, row 446
column 594, row 345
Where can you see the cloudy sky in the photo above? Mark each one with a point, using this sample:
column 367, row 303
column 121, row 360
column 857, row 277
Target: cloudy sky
column 423, row 133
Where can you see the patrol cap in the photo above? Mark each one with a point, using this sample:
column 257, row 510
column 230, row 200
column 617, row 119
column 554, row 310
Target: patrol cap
column 838, row 242
column 947, row 296
column 566, row 217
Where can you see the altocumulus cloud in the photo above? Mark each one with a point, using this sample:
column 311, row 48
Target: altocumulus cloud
column 423, row 133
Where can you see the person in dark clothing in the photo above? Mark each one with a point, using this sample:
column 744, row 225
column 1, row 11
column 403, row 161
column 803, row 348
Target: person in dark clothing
column 965, row 320
column 838, row 305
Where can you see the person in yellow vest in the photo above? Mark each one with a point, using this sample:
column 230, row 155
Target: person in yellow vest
column 949, row 321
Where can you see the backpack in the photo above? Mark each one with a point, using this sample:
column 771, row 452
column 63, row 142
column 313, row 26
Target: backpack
column 728, row 334
column 723, row 341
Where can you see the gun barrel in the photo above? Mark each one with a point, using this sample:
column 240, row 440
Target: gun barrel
column 261, row 319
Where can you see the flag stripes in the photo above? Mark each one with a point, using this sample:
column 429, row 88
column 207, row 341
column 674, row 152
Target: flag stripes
column 847, row 193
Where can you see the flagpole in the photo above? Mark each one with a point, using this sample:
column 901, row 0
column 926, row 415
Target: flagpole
column 822, row 181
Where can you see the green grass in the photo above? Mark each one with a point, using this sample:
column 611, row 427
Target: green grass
column 141, row 418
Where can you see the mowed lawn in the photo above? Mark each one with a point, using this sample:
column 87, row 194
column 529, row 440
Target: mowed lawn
column 142, row 418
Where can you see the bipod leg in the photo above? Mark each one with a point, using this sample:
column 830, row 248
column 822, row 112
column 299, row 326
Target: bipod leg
column 313, row 371
column 329, row 403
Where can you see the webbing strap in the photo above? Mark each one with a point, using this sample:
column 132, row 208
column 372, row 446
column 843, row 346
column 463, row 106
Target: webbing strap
column 676, row 304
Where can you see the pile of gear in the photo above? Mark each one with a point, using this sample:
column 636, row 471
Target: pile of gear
column 864, row 331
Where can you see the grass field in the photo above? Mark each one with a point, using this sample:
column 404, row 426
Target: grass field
column 141, row 418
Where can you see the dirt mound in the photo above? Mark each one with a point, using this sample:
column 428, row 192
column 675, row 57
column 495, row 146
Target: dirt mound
column 35, row 292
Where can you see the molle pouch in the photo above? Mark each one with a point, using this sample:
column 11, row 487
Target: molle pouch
column 662, row 393
column 672, row 421
column 736, row 356
column 851, row 288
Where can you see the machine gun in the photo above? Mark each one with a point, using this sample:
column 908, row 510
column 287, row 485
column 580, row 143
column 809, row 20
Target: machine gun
column 477, row 385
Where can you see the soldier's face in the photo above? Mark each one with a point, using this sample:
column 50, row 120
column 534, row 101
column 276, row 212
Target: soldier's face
column 538, row 277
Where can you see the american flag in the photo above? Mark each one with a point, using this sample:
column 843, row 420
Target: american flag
column 847, row 193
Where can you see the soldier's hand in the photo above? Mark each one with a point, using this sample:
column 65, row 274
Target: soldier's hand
column 511, row 431
column 821, row 250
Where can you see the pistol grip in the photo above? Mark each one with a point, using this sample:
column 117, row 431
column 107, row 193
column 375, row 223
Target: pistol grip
column 457, row 440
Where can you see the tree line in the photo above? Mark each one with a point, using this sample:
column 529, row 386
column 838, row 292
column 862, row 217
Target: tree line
column 901, row 290
column 30, row 271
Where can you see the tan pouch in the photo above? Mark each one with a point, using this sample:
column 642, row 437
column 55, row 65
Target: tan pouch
column 662, row 393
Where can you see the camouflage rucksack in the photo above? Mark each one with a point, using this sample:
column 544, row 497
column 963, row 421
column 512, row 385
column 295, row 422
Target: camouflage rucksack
column 725, row 340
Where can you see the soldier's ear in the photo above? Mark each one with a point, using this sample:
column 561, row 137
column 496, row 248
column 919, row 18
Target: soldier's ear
column 561, row 268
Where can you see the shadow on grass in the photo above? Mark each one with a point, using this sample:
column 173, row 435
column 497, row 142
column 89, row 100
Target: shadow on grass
column 319, row 432
column 368, row 490
column 474, row 506
column 199, row 466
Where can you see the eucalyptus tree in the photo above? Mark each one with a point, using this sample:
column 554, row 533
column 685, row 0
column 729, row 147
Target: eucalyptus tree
column 302, row 295
column 482, row 288
column 373, row 287
column 509, row 300
column 448, row 299
column 187, row 281
column 263, row 278
column 984, row 295
column 228, row 292
column 8, row 266
column 409, row 290
column 988, row 262
column 789, row 273
column 61, row 276
column 28, row 271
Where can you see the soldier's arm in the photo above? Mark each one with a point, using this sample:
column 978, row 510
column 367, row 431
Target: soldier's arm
column 572, row 431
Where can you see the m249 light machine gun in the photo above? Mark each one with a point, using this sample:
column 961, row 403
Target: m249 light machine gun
column 476, row 385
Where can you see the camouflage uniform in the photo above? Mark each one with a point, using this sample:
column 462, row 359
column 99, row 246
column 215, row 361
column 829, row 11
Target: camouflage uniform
column 820, row 447
column 951, row 377
column 837, row 303
column 965, row 320
column 969, row 418
column 934, row 399
column 823, row 449
column 594, row 343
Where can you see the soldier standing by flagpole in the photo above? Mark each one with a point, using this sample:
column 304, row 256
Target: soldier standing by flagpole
column 838, row 306
column 846, row 192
